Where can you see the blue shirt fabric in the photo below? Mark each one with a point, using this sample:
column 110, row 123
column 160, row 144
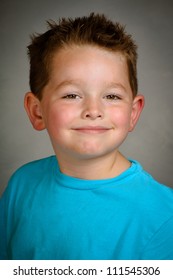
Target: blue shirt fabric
column 45, row 214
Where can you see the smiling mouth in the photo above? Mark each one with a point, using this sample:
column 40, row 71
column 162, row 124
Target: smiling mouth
column 92, row 129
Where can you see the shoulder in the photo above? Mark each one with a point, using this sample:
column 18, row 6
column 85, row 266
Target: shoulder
column 35, row 167
column 151, row 194
column 29, row 174
column 146, row 181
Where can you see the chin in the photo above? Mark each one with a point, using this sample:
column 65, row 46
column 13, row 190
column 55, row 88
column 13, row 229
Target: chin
column 93, row 153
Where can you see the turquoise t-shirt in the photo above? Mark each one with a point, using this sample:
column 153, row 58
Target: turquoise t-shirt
column 45, row 214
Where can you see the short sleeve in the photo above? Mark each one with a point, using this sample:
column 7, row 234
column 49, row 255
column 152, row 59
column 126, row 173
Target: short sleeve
column 3, row 233
column 160, row 247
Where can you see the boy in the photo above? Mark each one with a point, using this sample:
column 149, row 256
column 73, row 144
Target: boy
column 88, row 201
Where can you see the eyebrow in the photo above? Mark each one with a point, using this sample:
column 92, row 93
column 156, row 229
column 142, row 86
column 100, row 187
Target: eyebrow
column 68, row 82
column 116, row 85
column 78, row 83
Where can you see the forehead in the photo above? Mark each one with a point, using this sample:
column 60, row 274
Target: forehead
column 80, row 58
column 86, row 49
column 89, row 67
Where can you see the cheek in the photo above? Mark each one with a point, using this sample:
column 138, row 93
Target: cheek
column 121, row 118
column 59, row 118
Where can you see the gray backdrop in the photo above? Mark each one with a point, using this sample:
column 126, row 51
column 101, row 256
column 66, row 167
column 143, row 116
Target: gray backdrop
column 150, row 22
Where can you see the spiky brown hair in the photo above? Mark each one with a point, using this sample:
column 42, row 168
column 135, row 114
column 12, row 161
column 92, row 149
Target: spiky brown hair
column 94, row 29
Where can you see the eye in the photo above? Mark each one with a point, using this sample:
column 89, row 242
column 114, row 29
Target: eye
column 112, row 96
column 71, row 96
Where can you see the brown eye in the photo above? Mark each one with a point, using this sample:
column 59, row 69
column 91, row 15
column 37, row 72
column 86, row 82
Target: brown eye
column 112, row 97
column 70, row 96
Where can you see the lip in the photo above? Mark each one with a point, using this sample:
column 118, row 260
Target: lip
column 92, row 129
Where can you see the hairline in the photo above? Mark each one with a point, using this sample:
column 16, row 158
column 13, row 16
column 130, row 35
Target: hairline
column 70, row 45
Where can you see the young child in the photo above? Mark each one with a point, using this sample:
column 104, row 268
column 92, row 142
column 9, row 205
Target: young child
column 88, row 201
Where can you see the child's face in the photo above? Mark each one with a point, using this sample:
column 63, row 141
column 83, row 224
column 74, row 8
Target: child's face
column 88, row 106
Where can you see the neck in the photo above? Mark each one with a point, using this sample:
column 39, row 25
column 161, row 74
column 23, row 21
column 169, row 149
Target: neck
column 105, row 167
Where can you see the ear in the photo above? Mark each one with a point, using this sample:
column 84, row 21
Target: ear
column 137, row 107
column 33, row 108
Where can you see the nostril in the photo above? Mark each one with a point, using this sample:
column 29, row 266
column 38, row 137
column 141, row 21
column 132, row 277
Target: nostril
column 93, row 116
column 92, row 113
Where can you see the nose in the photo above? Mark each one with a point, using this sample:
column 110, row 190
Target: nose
column 92, row 110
